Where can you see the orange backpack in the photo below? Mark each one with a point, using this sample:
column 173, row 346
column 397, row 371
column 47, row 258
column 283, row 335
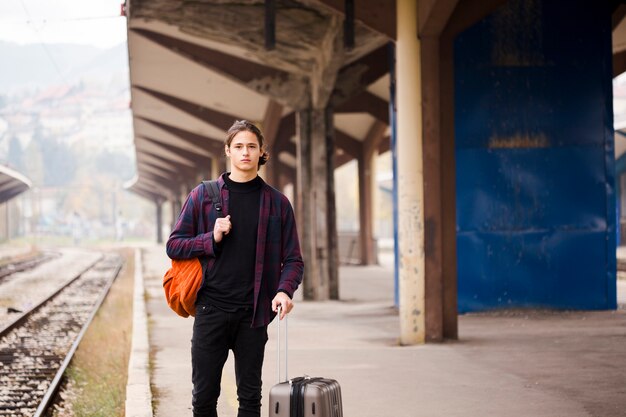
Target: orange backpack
column 181, row 284
column 182, row 281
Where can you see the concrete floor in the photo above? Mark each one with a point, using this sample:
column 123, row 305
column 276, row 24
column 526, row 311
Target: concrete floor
column 513, row 363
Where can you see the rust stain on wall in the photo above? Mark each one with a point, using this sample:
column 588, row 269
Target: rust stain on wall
column 519, row 141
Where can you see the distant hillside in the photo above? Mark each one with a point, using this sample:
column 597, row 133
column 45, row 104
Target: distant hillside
column 28, row 66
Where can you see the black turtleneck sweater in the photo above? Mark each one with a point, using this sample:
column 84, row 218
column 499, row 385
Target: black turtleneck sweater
column 230, row 283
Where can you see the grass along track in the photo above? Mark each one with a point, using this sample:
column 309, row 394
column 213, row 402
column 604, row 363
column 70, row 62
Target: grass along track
column 95, row 382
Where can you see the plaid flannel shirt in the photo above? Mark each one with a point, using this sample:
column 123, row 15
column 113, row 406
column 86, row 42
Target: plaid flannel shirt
column 278, row 264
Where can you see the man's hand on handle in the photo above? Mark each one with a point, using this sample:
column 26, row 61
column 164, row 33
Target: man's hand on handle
column 284, row 301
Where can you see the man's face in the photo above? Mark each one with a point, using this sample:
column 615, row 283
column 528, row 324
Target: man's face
column 244, row 152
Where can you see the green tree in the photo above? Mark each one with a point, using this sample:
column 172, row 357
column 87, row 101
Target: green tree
column 114, row 164
column 16, row 154
column 59, row 162
column 58, row 159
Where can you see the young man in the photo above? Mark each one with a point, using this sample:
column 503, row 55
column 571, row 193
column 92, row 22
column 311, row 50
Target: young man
column 253, row 266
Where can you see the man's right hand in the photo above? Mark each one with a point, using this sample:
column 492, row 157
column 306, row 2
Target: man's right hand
column 222, row 227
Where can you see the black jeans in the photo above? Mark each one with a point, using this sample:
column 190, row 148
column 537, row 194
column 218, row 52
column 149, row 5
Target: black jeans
column 215, row 332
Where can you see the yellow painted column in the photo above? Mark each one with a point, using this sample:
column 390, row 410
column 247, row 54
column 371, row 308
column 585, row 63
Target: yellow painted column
column 410, row 176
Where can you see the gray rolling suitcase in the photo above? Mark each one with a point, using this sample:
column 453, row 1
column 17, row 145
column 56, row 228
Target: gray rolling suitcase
column 304, row 396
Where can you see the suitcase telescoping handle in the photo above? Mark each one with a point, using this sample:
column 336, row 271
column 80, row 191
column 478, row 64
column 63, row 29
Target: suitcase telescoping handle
column 279, row 346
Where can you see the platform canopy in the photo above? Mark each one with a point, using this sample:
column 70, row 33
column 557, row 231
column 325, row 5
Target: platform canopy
column 195, row 68
column 12, row 183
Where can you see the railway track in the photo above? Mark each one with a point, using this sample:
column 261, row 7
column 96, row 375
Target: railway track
column 37, row 347
column 19, row 266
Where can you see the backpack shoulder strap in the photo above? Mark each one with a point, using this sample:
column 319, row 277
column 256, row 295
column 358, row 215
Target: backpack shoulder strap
column 214, row 194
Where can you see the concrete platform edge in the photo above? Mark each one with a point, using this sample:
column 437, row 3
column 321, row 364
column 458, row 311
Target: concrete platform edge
column 138, row 392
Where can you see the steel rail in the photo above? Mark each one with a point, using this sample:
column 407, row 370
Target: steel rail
column 22, row 317
column 56, row 381
column 11, row 268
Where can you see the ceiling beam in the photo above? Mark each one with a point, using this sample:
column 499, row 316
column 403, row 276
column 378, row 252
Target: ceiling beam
column 375, row 136
column 148, row 196
column 156, row 164
column 216, row 118
column 165, row 182
column 201, row 141
column 467, row 13
column 149, row 181
column 146, row 166
column 172, row 166
column 342, row 159
column 619, row 63
column 366, row 102
column 348, row 144
column 618, row 15
column 11, row 192
column 147, row 192
column 286, row 130
column 142, row 143
column 271, row 121
column 433, row 16
column 357, row 76
column 11, row 183
column 284, row 87
column 194, row 158
column 384, row 145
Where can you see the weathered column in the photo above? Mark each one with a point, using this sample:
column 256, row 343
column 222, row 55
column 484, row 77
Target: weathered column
column 5, row 226
column 215, row 167
column 367, row 186
column 333, row 239
column 159, row 220
column 410, row 176
column 316, row 186
column 270, row 126
column 176, row 207
column 434, row 303
column 317, row 211
column 270, row 172
column 366, row 198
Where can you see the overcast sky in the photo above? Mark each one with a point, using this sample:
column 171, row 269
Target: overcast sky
column 87, row 22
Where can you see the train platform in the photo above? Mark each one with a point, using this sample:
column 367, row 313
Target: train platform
column 507, row 363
